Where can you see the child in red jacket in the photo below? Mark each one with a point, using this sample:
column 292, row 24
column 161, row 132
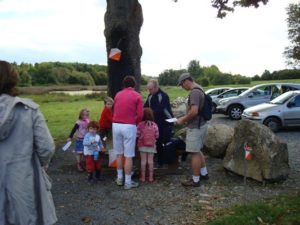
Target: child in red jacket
column 105, row 120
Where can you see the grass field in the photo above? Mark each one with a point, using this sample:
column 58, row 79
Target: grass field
column 61, row 111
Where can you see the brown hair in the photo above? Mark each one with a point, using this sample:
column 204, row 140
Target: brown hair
column 82, row 111
column 148, row 114
column 8, row 79
column 129, row 81
column 108, row 99
column 93, row 124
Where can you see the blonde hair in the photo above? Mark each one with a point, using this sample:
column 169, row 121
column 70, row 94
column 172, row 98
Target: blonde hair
column 82, row 111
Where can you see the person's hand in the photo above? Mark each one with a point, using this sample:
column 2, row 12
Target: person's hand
column 179, row 121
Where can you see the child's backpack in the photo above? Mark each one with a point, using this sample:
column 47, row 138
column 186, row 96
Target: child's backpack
column 207, row 109
column 148, row 134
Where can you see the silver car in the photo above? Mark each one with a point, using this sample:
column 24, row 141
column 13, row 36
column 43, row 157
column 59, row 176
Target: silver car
column 283, row 111
column 262, row 93
column 226, row 94
column 216, row 91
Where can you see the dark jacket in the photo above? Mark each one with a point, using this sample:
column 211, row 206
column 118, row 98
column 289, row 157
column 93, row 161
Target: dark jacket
column 160, row 104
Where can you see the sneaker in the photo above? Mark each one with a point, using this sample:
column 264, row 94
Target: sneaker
column 131, row 185
column 190, row 183
column 119, row 181
column 204, row 177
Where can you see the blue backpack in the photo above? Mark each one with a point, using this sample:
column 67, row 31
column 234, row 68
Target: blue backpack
column 206, row 111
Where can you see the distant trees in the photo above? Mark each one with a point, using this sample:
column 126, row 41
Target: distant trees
column 58, row 73
column 292, row 52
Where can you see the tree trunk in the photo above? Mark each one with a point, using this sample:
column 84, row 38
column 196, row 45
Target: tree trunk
column 123, row 21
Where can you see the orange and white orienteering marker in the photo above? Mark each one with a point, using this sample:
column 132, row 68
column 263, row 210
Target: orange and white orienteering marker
column 248, row 154
column 115, row 54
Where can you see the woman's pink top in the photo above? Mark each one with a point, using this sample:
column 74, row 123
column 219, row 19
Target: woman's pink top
column 128, row 107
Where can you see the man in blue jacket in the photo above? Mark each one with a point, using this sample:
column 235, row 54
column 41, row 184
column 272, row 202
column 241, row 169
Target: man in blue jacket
column 159, row 102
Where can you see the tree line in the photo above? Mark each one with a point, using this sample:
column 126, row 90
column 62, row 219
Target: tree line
column 59, row 73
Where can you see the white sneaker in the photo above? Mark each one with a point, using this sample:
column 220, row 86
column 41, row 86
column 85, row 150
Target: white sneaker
column 119, row 181
column 131, row 185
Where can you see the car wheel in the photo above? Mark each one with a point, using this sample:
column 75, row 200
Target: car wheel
column 273, row 123
column 235, row 112
column 214, row 108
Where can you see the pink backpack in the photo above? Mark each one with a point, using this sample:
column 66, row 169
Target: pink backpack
column 148, row 134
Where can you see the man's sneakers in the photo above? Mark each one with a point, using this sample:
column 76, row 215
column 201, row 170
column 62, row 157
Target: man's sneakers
column 204, row 177
column 131, row 185
column 190, row 183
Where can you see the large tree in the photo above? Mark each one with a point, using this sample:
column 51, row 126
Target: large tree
column 123, row 20
column 292, row 52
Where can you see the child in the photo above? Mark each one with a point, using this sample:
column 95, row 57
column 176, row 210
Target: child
column 80, row 128
column 147, row 133
column 92, row 149
column 105, row 120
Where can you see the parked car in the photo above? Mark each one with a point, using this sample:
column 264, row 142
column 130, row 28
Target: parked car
column 262, row 93
column 226, row 94
column 216, row 91
column 283, row 111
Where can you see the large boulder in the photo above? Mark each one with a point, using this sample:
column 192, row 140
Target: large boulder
column 217, row 140
column 269, row 156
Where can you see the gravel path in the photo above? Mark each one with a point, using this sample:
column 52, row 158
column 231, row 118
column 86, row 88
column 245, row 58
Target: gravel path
column 164, row 201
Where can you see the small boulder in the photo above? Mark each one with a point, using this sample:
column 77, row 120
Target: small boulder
column 269, row 156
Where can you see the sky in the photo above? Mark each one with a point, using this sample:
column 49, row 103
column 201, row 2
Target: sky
column 247, row 42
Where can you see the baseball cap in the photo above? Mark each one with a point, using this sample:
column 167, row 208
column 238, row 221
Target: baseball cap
column 183, row 77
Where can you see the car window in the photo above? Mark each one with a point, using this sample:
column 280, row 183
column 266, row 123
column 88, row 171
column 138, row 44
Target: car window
column 296, row 101
column 275, row 92
column 262, row 91
column 230, row 93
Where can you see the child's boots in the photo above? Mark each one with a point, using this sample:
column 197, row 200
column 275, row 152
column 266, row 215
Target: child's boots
column 98, row 176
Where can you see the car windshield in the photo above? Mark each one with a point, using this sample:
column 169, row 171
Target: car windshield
column 282, row 98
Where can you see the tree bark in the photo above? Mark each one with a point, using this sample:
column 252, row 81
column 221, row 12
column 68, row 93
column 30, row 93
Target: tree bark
column 123, row 21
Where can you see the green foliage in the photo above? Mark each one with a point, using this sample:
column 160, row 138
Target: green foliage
column 292, row 52
column 169, row 77
column 83, row 78
column 194, row 68
column 59, row 73
column 281, row 210
column 203, row 81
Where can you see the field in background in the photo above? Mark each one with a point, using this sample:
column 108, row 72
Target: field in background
column 61, row 111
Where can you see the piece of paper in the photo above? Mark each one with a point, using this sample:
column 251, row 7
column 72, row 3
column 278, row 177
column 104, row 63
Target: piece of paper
column 66, row 146
column 172, row 120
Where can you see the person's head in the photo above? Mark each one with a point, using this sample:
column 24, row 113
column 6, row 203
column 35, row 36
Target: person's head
column 93, row 127
column 148, row 114
column 152, row 86
column 84, row 114
column 8, row 79
column 129, row 81
column 186, row 81
column 109, row 102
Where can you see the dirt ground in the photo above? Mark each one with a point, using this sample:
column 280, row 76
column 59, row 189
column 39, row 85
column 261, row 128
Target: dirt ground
column 165, row 201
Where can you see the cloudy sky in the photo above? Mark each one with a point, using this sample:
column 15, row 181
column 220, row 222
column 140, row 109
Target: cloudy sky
column 246, row 42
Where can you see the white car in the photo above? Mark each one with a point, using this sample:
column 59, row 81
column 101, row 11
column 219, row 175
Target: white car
column 262, row 93
column 226, row 94
column 216, row 91
column 283, row 111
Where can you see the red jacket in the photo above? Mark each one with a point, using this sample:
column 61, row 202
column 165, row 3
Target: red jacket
column 105, row 120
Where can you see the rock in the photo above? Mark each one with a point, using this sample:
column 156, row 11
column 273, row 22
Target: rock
column 179, row 107
column 269, row 156
column 217, row 140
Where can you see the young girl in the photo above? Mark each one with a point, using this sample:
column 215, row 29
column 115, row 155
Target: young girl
column 105, row 120
column 92, row 150
column 80, row 128
column 147, row 133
